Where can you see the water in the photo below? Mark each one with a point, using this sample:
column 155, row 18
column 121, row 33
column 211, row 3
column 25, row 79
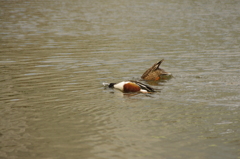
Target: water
column 54, row 56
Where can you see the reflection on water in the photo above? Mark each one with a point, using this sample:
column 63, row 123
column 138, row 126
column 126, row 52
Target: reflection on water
column 55, row 55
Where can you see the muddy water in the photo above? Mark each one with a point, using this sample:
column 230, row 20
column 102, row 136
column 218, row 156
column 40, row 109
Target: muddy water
column 54, row 56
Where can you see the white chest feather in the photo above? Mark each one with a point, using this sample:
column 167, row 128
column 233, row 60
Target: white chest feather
column 120, row 85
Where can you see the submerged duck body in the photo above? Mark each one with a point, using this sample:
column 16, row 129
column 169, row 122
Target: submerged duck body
column 155, row 73
column 130, row 86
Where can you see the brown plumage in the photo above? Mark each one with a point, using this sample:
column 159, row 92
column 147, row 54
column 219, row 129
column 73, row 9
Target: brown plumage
column 155, row 73
column 131, row 87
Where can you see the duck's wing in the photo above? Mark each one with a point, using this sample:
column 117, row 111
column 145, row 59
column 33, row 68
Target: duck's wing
column 153, row 68
column 156, row 65
column 144, row 86
column 146, row 73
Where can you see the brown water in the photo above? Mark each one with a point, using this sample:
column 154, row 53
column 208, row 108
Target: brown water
column 54, row 55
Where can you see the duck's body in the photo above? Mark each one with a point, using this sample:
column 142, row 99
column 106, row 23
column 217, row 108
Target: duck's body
column 130, row 86
column 155, row 73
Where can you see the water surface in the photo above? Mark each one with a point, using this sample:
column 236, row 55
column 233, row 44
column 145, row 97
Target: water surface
column 54, row 56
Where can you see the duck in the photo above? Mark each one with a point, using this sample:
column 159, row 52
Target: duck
column 155, row 73
column 130, row 86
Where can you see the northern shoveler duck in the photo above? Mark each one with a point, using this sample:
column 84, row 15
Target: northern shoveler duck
column 155, row 73
column 130, row 86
